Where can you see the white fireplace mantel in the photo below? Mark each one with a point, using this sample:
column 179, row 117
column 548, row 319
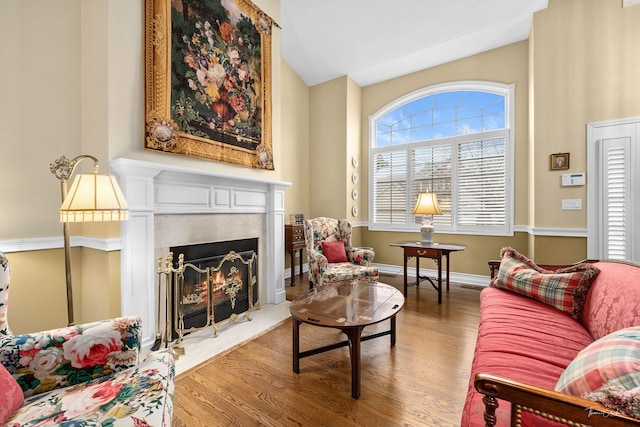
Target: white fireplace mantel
column 155, row 188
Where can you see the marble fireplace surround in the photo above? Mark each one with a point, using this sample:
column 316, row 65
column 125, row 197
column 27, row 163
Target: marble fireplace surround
column 173, row 206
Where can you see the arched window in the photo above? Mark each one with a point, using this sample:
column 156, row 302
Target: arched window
column 455, row 140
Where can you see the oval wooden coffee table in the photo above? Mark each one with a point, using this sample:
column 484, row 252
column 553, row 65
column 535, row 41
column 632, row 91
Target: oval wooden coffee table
column 349, row 306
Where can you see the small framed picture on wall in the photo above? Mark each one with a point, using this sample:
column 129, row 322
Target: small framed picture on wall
column 559, row 161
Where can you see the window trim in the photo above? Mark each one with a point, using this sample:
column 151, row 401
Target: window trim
column 506, row 90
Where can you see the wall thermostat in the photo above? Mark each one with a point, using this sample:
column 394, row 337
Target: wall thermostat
column 572, row 179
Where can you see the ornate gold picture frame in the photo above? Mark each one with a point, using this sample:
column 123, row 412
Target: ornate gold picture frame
column 208, row 80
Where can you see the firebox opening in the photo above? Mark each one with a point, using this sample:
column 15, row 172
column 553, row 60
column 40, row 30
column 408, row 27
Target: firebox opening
column 226, row 282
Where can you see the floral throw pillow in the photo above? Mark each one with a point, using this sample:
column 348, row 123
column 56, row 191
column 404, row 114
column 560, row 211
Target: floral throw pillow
column 58, row 358
column 565, row 289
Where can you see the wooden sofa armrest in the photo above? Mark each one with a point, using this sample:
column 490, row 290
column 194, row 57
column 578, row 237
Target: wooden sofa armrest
column 494, row 266
column 549, row 404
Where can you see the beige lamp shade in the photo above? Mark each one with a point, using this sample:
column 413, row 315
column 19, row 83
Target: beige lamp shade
column 427, row 204
column 94, row 197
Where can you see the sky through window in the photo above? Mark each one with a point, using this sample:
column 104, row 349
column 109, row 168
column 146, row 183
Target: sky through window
column 441, row 115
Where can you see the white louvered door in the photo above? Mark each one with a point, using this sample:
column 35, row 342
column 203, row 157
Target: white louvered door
column 613, row 198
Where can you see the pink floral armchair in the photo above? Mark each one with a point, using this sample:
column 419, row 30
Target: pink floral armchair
column 331, row 256
column 81, row 375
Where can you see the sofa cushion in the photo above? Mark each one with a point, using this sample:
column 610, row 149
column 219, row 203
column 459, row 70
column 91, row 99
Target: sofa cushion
column 61, row 357
column 616, row 397
column 613, row 360
column 517, row 335
column 606, row 309
column 565, row 289
column 138, row 396
column 11, row 396
column 334, row 251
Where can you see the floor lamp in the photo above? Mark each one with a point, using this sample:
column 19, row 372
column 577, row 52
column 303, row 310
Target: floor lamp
column 92, row 197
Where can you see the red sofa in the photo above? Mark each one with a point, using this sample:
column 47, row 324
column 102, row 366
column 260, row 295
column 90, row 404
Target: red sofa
column 524, row 345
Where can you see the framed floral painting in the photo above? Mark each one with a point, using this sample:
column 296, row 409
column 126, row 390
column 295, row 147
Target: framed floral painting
column 208, row 80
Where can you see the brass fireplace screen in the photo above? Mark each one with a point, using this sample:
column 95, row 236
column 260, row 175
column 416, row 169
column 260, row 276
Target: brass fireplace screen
column 215, row 293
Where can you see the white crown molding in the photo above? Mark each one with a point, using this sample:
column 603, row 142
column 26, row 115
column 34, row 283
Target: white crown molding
column 627, row 3
column 43, row 243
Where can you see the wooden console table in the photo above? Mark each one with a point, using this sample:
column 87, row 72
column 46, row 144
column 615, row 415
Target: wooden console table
column 294, row 241
column 435, row 251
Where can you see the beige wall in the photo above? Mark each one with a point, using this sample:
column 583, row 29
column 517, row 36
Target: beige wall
column 295, row 136
column 37, row 296
column 579, row 66
column 507, row 65
column 39, row 112
column 328, row 148
column 295, row 157
column 335, row 138
column 82, row 93
column 354, row 150
column 585, row 69
column 74, row 84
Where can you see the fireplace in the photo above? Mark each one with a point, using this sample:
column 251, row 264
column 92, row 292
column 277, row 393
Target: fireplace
column 174, row 206
column 213, row 284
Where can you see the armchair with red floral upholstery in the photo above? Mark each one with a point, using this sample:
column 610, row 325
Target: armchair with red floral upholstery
column 331, row 256
column 81, row 375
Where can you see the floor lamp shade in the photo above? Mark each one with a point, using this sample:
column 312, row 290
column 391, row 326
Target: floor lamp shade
column 94, row 198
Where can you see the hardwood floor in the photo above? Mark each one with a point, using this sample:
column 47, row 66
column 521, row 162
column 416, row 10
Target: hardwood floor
column 422, row 381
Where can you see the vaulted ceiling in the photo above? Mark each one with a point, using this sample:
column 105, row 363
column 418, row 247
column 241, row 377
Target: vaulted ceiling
column 375, row 40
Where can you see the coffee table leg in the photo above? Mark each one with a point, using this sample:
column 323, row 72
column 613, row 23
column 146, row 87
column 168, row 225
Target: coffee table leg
column 392, row 329
column 354, row 339
column 296, row 344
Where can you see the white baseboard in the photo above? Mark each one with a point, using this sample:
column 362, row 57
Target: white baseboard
column 396, row 270
column 469, row 279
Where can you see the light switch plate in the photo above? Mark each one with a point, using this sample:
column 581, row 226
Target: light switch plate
column 571, row 204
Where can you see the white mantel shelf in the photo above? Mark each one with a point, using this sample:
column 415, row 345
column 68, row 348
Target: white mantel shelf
column 156, row 188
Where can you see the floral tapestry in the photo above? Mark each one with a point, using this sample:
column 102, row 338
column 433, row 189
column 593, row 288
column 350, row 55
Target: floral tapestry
column 208, row 80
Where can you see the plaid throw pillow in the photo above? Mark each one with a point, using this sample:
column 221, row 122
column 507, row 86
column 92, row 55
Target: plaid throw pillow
column 565, row 289
column 612, row 361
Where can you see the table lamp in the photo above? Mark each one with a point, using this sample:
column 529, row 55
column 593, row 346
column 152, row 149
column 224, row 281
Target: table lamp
column 427, row 205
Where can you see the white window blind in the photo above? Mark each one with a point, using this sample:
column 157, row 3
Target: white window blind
column 390, row 187
column 454, row 140
column 431, row 172
column 616, row 197
column 482, row 183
